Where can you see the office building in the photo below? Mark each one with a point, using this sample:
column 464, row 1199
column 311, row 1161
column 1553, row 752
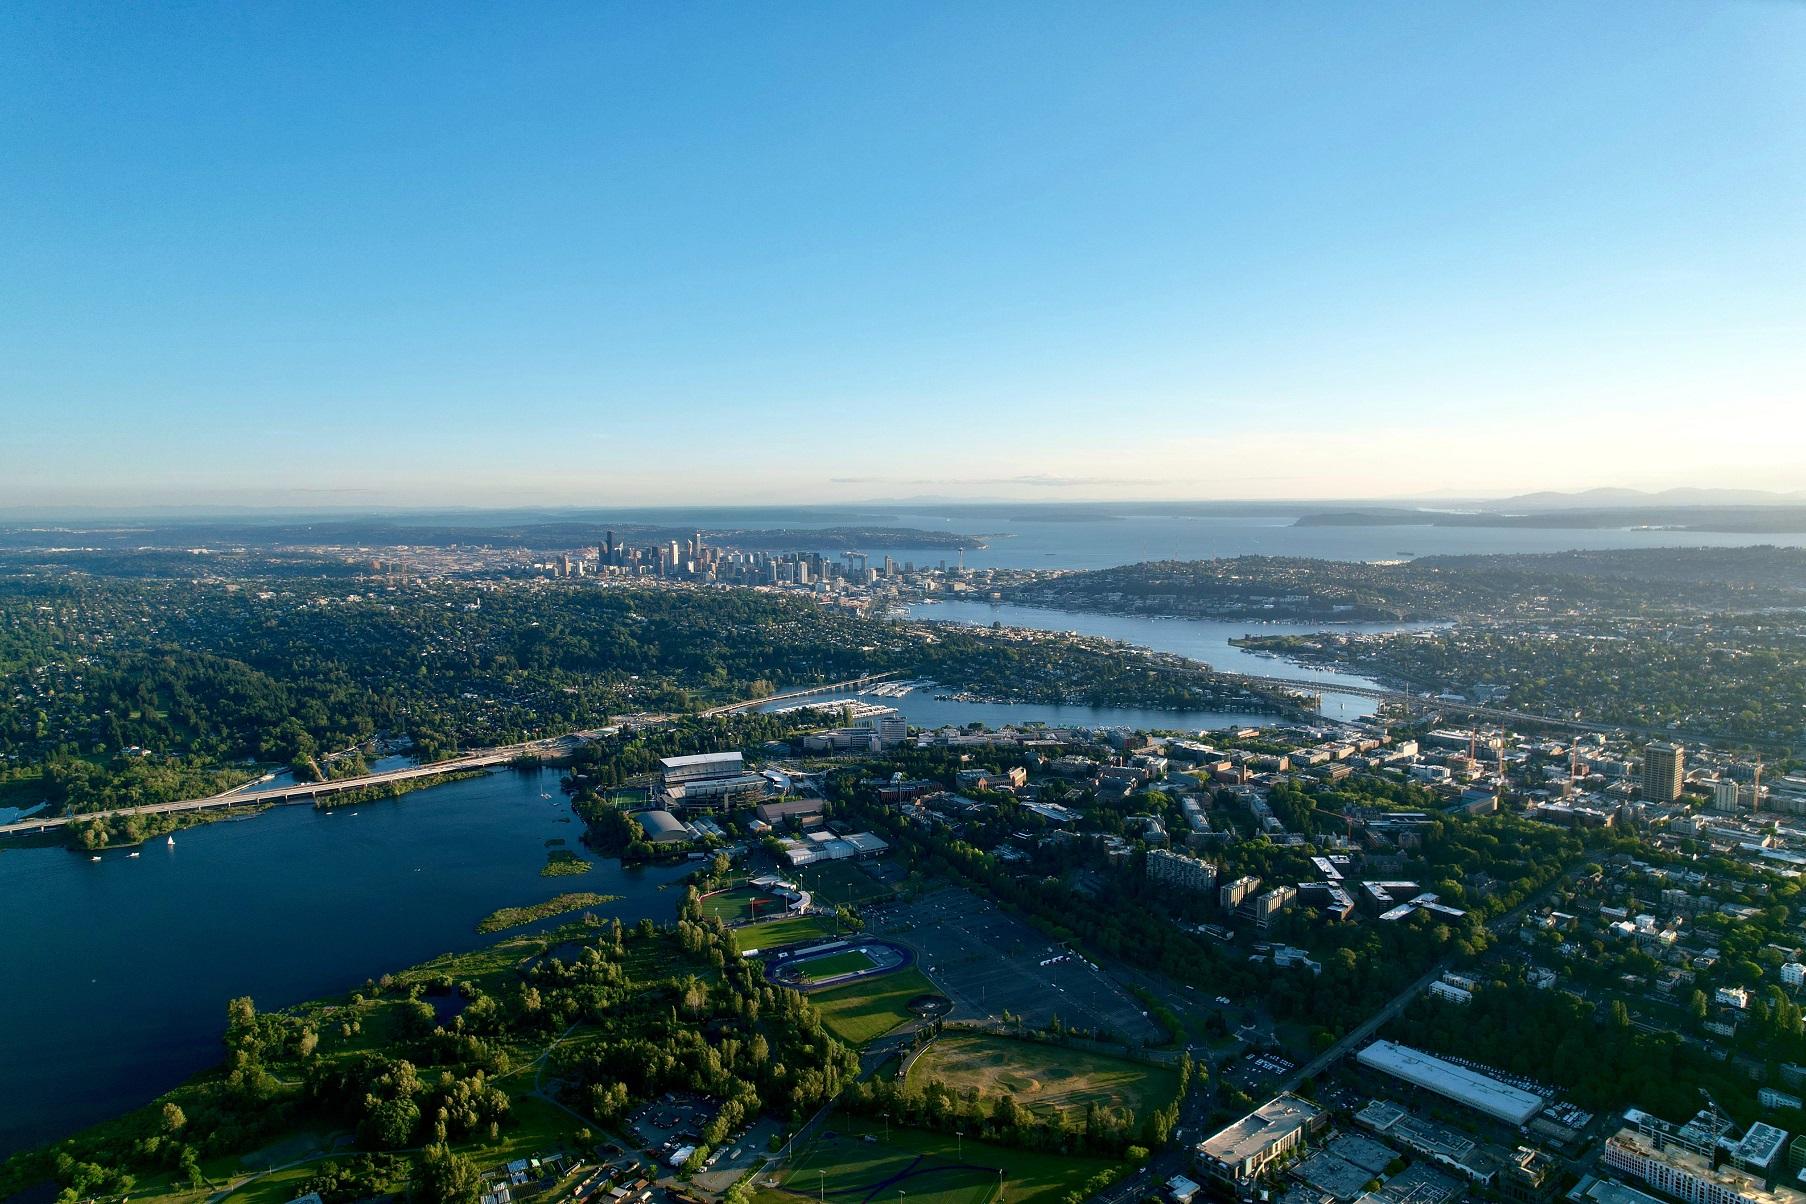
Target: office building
column 1725, row 794
column 1528, row 1177
column 1664, row 766
column 1238, row 1154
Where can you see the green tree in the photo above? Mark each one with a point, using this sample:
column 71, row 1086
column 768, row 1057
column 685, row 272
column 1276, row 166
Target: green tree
column 447, row 1177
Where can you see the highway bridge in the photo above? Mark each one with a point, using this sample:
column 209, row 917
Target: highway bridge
column 306, row 792
column 833, row 687
column 1382, row 694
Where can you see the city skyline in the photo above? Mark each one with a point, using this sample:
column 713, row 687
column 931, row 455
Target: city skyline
column 630, row 256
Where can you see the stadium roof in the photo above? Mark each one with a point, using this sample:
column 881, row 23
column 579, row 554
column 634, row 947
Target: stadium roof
column 1458, row 1083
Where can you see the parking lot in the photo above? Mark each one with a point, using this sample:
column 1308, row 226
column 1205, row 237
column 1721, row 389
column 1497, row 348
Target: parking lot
column 670, row 1122
column 741, row 1154
column 989, row 963
column 1259, row 1072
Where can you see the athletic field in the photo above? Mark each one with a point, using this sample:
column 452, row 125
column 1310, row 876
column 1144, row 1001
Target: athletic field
column 778, row 933
column 1043, row 1077
column 911, row 1166
column 866, row 1009
column 742, row 903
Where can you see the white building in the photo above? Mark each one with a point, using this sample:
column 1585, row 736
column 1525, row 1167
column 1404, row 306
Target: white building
column 1239, row 1153
column 1464, row 1086
column 1686, row 1175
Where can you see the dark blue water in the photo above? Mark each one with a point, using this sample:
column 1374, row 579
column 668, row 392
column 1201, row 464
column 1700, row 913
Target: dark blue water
column 116, row 973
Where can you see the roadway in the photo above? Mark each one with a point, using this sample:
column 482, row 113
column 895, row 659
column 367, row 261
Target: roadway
column 752, row 704
column 307, row 791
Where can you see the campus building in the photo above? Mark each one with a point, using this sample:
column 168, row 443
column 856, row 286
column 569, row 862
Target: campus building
column 1239, row 1154
column 1176, row 869
column 1687, row 1174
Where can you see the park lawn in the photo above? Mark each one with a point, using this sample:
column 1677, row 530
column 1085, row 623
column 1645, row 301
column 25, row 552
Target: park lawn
column 1044, row 1077
column 835, row 964
column 278, row 1187
column 864, row 1011
column 781, row 932
column 938, row 1169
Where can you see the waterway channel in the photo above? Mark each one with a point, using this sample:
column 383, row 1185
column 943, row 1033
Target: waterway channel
column 1199, row 639
column 117, row 971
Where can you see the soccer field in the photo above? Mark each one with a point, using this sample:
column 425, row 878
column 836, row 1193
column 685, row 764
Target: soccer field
column 779, row 933
column 864, row 1010
column 852, row 961
column 910, row 1166
column 1044, row 1076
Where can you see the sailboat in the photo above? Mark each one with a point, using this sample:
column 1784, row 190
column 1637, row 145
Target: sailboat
column 172, row 840
column 132, row 854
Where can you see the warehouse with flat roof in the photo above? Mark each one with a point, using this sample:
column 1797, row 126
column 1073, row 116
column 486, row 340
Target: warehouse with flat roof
column 1498, row 1100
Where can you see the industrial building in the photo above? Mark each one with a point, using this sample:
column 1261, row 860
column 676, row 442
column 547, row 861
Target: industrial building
column 1464, row 1086
column 1238, row 1154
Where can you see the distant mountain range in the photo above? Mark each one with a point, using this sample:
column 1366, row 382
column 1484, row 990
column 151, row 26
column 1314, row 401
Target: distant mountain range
column 1599, row 499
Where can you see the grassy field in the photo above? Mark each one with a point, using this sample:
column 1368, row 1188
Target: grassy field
column 779, row 933
column 863, row 1011
column 1045, row 1076
column 836, row 964
column 837, row 882
column 915, row 1167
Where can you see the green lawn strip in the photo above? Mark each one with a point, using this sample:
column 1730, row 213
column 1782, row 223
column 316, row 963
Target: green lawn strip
column 853, row 1166
column 840, row 883
column 863, row 1011
column 782, row 932
column 514, row 917
column 1044, row 1077
column 837, row 963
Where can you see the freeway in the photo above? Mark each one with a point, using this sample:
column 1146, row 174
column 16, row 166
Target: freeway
column 308, row 791
column 484, row 758
column 754, row 703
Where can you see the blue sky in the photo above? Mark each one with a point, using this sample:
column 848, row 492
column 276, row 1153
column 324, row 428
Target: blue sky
column 642, row 253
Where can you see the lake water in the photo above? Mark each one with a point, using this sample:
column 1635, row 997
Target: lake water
column 117, row 972
column 923, row 709
column 1199, row 639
